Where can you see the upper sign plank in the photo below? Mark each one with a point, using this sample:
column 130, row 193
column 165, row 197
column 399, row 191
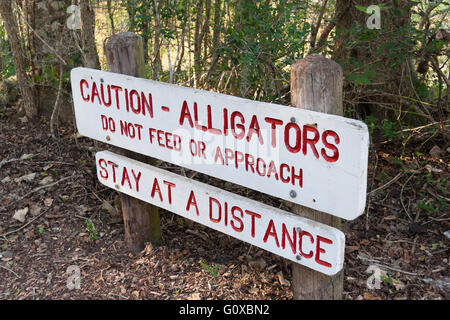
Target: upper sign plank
column 313, row 159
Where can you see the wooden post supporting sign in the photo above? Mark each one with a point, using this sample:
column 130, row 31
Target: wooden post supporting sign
column 125, row 55
column 316, row 84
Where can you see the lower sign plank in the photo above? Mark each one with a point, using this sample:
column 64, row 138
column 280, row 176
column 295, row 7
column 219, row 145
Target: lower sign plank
column 298, row 239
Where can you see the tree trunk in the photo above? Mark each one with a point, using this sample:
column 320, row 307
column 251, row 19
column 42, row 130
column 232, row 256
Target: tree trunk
column 88, row 35
column 156, row 61
column 28, row 17
column 131, row 10
column 145, row 34
column 46, row 22
column 204, row 36
column 215, row 39
column 1, row 62
column 12, row 31
column 241, row 11
column 377, row 60
column 110, row 16
column 197, row 42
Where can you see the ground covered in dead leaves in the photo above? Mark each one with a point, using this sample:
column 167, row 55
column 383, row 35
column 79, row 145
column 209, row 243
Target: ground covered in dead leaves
column 55, row 214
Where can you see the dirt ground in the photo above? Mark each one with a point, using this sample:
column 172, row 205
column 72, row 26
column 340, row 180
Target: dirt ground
column 397, row 250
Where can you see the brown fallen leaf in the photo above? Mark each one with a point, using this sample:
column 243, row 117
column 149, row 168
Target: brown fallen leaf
column 148, row 249
column 5, row 180
column 258, row 264
column 368, row 296
column 194, row 296
column 35, row 209
column 352, row 248
column 48, row 202
column 253, row 290
column 390, row 217
column 282, row 280
column 436, row 152
column 47, row 180
column 398, row 285
column 27, row 177
column 115, row 214
column 26, row 156
column 433, row 169
column 406, row 256
column 20, row 214
column 24, row 119
column 141, row 261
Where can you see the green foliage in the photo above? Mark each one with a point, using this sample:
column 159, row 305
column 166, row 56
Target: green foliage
column 387, row 279
column 395, row 160
column 349, row 112
column 212, row 270
column 427, row 205
column 439, row 245
column 361, row 8
column 383, row 177
column 7, row 69
column 258, row 48
column 387, row 128
column 257, row 43
column 371, row 123
column 55, row 172
column 433, row 202
column 93, row 234
column 399, row 59
column 442, row 185
column 429, row 178
column 361, row 78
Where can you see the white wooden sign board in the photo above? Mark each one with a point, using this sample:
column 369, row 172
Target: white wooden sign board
column 309, row 158
column 312, row 244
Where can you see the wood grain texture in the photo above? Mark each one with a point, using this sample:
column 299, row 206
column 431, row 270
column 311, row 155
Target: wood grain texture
column 125, row 55
column 317, row 84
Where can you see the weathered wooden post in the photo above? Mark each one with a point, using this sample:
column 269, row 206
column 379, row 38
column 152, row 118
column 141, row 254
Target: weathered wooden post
column 316, row 84
column 125, row 54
